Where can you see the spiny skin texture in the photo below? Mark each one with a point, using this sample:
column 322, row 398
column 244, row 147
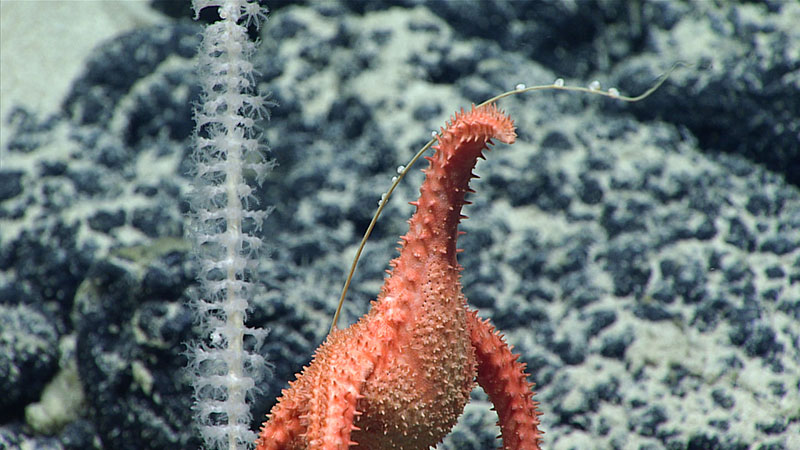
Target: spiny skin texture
column 400, row 376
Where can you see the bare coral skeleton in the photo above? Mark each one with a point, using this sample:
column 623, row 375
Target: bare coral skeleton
column 400, row 377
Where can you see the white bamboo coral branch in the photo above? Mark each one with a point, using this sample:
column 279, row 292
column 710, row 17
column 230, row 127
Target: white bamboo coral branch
column 228, row 144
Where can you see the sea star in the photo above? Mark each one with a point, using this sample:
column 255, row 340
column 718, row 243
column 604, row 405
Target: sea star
column 402, row 374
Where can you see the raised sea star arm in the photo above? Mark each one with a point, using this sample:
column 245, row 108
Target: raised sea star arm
column 504, row 380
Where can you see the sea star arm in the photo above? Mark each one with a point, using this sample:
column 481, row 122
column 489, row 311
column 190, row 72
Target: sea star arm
column 283, row 430
column 318, row 411
column 504, row 380
column 333, row 407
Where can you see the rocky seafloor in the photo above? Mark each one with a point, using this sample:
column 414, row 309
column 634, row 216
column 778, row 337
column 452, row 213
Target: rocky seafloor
column 644, row 259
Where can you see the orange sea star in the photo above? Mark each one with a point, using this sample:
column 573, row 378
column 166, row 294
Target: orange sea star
column 401, row 375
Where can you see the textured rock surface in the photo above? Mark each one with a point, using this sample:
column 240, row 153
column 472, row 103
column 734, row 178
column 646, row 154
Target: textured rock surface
column 644, row 259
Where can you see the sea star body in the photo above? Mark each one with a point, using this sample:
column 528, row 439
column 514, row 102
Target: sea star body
column 400, row 377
